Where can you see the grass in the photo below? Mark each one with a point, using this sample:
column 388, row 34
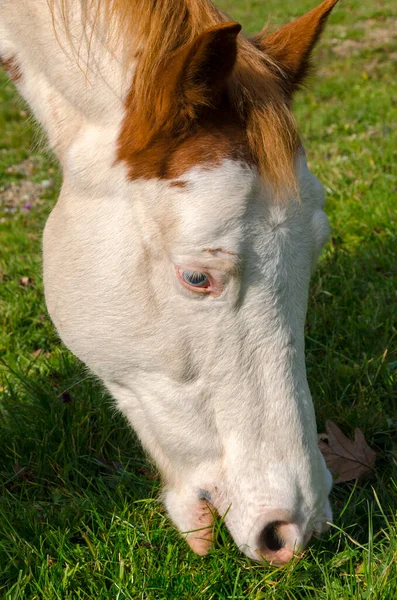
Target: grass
column 79, row 510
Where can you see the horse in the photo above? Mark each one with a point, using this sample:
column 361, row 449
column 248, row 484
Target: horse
column 178, row 256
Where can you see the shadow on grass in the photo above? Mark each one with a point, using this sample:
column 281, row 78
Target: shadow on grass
column 69, row 460
column 351, row 354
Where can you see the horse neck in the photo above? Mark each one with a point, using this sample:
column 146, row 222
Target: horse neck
column 70, row 79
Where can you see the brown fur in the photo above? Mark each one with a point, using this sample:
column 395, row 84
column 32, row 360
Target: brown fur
column 216, row 250
column 291, row 45
column 216, row 135
column 178, row 183
column 191, row 79
column 257, row 101
column 11, row 66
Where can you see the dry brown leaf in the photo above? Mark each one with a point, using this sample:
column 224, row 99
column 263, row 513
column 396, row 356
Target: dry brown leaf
column 346, row 459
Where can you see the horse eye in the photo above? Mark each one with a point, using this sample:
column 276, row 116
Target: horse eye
column 195, row 278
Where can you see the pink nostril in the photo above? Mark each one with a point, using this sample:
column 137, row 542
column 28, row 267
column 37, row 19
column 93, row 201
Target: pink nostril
column 270, row 537
column 279, row 541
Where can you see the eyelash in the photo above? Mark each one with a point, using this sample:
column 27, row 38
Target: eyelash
column 204, row 289
column 195, row 279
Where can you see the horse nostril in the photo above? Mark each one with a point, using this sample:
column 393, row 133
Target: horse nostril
column 270, row 538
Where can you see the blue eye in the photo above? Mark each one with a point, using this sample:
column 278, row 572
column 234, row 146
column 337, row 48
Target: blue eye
column 195, row 278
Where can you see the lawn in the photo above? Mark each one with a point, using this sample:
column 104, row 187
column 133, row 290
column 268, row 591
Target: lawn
column 79, row 511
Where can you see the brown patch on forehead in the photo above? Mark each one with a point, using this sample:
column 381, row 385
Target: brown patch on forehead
column 179, row 183
column 11, row 66
column 217, row 135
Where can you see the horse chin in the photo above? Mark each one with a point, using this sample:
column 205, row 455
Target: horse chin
column 194, row 517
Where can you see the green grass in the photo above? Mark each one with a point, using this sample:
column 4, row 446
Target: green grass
column 79, row 510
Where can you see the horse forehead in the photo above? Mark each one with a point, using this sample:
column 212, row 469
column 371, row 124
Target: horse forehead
column 215, row 197
column 219, row 204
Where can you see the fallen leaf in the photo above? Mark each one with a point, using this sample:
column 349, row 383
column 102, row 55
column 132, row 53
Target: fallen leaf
column 346, row 459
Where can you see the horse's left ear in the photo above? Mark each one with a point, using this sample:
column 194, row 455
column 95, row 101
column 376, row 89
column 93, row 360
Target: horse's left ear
column 291, row 45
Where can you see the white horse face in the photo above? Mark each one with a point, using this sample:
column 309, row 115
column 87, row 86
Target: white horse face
column 190, row 302
column 234, row 371
column 185, row 287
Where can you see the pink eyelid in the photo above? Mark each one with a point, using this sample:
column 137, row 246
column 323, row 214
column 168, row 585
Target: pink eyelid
column 214, row 286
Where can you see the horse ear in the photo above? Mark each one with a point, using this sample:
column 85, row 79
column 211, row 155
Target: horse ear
column 197, row 74
column 193, row 78
column 291, row 45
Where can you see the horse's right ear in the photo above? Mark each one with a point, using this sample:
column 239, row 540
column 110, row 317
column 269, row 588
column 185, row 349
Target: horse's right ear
column 196, row 75
column 291, row 45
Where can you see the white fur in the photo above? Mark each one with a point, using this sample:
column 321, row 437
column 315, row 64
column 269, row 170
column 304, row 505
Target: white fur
column 215, row 387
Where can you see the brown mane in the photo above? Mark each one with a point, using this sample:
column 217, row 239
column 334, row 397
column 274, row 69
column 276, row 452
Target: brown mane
column 161, row 27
